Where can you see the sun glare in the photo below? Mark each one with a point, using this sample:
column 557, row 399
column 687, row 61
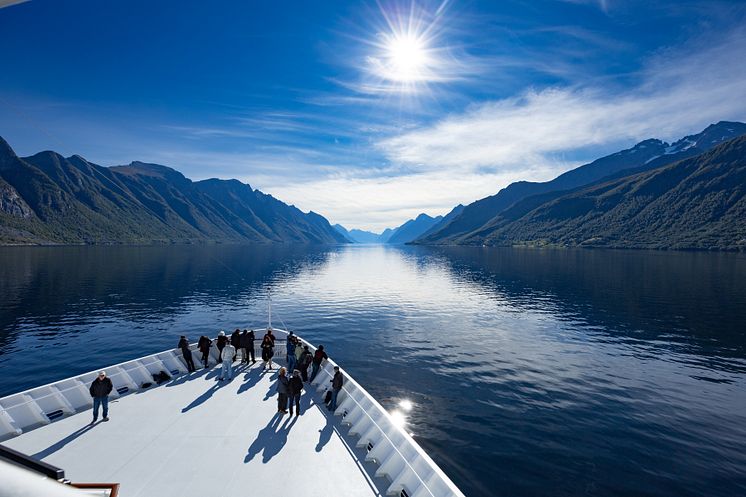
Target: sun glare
column 409, row 53
column 406, row 58
column 398, row 419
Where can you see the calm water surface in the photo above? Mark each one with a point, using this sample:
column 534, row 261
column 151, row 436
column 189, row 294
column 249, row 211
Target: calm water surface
column 533, row 372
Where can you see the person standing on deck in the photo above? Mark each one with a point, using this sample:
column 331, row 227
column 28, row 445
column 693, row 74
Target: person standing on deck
column 268, row 350
column 304, row 362
column 184, row 346
column 289, row 347
column 318, row 357
column 296, row 387
column 229, row 352
column 298, row 350
column 291, row 352
column 337, row 382
column 203, row 345
column 270, row 335
column 236, row 342
column 100, row 390
column 247, row 344
column 283, row 385
column 222, row 340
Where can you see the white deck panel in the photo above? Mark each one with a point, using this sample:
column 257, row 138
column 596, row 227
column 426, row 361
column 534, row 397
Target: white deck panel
column 198, row 437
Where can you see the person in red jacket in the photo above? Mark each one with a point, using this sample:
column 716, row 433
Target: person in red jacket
column 100, row 390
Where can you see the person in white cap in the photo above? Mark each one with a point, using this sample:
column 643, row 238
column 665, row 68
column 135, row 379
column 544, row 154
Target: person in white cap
column 221, row 341
column 229, row 352
column 100, row 390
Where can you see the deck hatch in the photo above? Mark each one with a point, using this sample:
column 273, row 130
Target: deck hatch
column 55, row 414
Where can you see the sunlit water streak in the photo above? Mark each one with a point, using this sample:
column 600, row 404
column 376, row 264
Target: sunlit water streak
column 529, row 372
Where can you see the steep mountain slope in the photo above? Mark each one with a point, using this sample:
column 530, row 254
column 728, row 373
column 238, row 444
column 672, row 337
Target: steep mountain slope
column 341, row 229
column 646, row 155
column 697, row 203
column 455, row 212
column 47, row 198
column 413, row 229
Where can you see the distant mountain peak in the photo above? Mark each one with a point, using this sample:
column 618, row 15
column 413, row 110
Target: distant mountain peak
column 234, row 184
column 711, row 136
column 152, row 170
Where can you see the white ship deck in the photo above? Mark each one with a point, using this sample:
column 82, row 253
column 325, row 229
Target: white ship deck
column 195, row 436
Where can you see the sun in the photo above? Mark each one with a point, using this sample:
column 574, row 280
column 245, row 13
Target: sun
column 409, row 55
column 406, row 58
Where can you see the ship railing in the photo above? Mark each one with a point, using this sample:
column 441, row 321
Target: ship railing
column 410, row 470
column 42, row 405
column 407, row 466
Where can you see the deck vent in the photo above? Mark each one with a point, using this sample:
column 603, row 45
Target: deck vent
column 123, row 390
column 370, row 446
column 55, row 414
column 175, row 372
column 403, row 493
column 344, row 414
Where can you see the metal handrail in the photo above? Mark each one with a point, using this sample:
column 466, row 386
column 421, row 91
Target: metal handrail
column 61, row 390
column 432, row 465
column 365, row 411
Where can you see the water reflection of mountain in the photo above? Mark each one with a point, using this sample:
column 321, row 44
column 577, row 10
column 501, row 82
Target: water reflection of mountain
column 686, row 299
column 46, row 285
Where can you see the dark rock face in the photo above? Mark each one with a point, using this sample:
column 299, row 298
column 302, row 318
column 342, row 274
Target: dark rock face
column 12, row 204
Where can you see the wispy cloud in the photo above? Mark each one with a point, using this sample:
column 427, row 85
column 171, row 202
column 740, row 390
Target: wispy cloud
column 678, row 91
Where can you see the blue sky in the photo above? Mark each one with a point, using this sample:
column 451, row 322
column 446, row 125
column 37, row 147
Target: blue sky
column 366, row 112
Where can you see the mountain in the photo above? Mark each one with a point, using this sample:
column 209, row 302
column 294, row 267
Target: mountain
column 47, row 198
column 455, row 212
column 341, row 229
column 413, row 229
column 646, row 155
column 386, row 235
column 362, row 236
column 696, row 203
column 403, row 234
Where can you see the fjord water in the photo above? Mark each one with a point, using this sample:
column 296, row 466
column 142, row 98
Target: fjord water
column 532, row 372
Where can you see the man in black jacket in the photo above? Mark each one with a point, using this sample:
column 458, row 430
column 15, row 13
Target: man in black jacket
column 184, row 346
column 203, row 345
column 100, row 390
column 337, row 383
column 295, row 387
column 247, row 344
column 221, row 341
column 236, row 341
